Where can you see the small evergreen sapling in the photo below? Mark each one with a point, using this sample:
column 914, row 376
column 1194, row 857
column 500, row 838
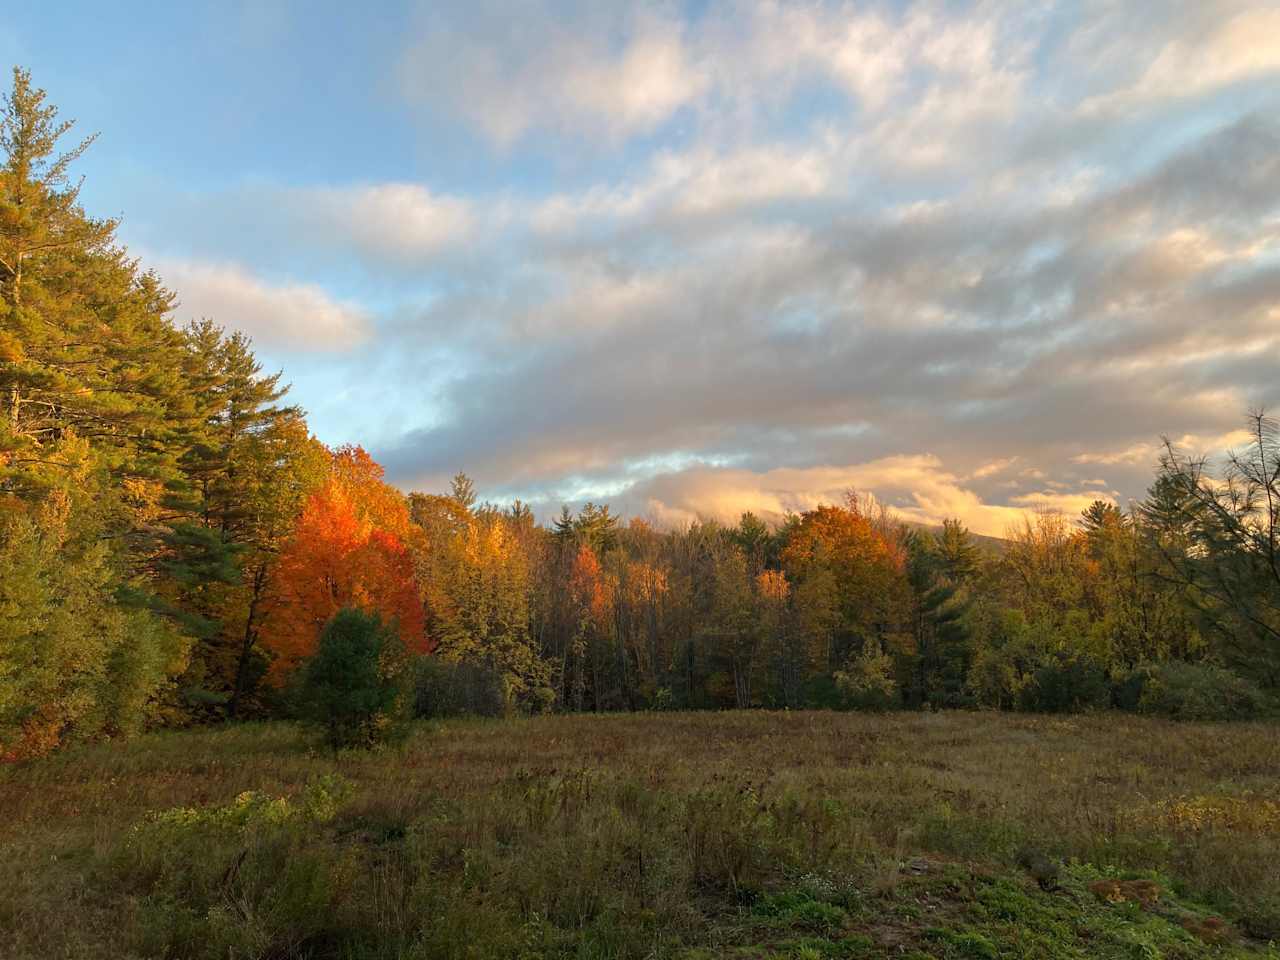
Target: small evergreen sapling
column 351, row 686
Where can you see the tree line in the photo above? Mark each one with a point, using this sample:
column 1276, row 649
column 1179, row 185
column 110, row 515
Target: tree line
column 174, row 542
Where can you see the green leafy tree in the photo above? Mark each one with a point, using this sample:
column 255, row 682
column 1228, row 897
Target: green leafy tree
column 1137, row 617
column 730, row 627
column 473, row 568
column 75, row 662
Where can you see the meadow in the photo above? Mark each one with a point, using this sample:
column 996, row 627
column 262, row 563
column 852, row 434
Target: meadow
column 684, row 835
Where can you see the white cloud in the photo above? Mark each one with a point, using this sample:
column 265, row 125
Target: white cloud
column 403, row 222
column 993, row 468
column 1237, row 48
column 857, row 230
column 297, row 316
column 617, row 73
column 762, row 335
column 690, row 184
column 650, row 79
column 575, row 78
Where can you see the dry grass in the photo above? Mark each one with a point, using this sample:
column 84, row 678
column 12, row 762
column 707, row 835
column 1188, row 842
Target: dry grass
column 642, row 835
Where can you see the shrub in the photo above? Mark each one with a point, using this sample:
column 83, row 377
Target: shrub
column 1002, row 660
column 868, row 684
column 351, row 686
column 442, row 689
column 1197, row 691
column 1126, row 690
column 318, row 802
column 1066, row 683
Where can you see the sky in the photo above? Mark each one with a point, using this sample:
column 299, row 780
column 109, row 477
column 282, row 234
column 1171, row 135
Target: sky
column 697, row 258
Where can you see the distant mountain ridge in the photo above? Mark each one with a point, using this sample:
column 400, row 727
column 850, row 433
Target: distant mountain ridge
column 996, row 546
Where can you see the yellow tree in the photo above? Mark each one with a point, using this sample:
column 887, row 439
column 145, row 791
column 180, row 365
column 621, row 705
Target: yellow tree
column 474, row 572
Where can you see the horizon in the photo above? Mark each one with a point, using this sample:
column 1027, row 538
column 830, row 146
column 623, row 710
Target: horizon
column 702, row 258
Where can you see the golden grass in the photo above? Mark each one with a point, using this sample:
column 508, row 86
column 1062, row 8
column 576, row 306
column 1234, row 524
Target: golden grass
column 515, row 835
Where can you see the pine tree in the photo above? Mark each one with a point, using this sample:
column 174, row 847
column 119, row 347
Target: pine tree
column 941, row 569
column 1219, row 539
column 85, row 346
column 248, row 463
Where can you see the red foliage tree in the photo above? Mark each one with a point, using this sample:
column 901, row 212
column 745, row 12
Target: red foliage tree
column 345, row 550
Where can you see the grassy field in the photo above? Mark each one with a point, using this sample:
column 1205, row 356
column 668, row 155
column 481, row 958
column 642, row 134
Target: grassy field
column 803, row 835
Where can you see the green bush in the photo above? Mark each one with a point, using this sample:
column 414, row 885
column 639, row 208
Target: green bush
column 1066, row 683
column 1126, row 690
column 868, row 682
column 1197, row 691
column 351, row 687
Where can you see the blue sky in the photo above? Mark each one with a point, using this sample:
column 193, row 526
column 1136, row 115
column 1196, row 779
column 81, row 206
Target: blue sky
column 697, row 258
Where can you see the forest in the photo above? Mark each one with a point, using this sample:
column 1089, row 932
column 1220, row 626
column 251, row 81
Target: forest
column 174, row 543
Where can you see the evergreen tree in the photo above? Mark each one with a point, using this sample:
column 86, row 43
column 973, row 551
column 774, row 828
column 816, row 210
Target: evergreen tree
column 249, row 462
column 463, row 491
column 1219, row 538
column 352, row 687
column 956, row 552
column 85, row 347
column 941, row 570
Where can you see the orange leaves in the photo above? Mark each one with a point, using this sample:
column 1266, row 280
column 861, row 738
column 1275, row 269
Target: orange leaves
column 772, row 586
column 347, row 549
column 40, row 735
column 862, row 569
column 591, row 589
column 646, row 583
column 843, row 536
column 372, row 500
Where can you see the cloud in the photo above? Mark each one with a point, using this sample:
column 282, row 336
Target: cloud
column 1148, row 453
column 993, row 468
column 1236, row 48
column 686, row 186
column 399, row 222
column 977, row 258
column 292, row 316
column 609, row 73
column 1039, row 333
column 915, row 487
column 615, row 71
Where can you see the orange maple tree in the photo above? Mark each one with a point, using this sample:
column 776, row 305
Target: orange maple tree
column 591, row 589
column 372, row 499
column 346, row 549
column 868, row 567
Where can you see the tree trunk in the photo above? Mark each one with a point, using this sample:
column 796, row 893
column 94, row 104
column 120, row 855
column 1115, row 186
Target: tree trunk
column 247, row 643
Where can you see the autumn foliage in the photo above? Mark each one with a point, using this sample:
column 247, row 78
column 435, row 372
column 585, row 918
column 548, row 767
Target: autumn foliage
column 347, row 550
column 591, row 588
column 867, row 566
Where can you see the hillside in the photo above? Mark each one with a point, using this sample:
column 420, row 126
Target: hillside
column 995, row 546
column 749, row 835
